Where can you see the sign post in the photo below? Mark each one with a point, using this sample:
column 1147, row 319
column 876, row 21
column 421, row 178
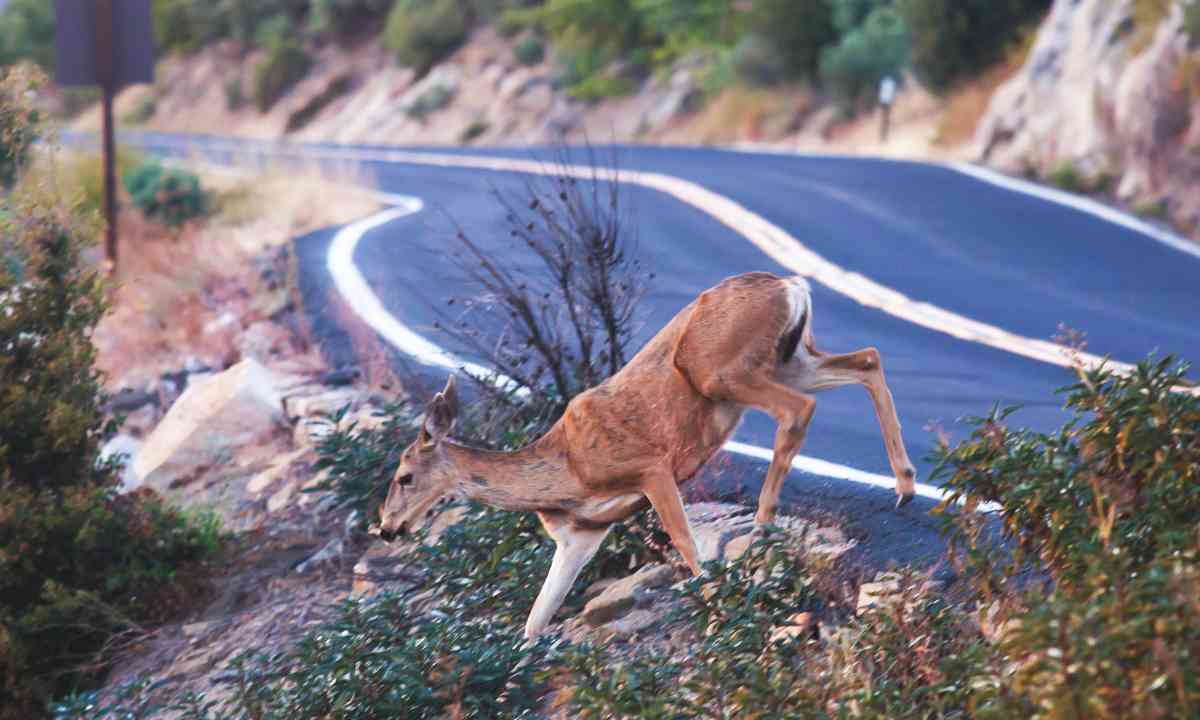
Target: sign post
column 107, row 43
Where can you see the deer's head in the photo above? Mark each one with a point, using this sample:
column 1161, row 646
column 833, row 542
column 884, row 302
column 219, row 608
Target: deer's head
column 425, row 474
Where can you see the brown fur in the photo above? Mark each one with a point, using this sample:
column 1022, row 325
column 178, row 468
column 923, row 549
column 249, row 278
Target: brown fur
column 653, row 425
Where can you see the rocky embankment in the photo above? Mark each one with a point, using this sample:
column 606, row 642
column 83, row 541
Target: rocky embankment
column 1108, row 101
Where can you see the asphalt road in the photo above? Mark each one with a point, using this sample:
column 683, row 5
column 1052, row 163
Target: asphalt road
column 1008, row 259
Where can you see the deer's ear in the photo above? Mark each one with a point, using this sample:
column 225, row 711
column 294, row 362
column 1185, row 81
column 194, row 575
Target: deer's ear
column 440, row 415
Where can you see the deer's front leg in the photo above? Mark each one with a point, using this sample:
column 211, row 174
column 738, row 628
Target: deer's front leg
column 574, row 547
column 660, row 488
column 865, row 368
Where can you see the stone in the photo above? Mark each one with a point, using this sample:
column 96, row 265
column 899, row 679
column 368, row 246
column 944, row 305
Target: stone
column 263, row 341
column 320, row 404
column 633, row 622
column 885, row 589
column 800, row 625
column 190, row 454
column 626, row 593
column 272, row 475
column 327, row 555
column 715, row 524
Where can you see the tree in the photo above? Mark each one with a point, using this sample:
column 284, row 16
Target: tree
column 955, row 39
column 853, row 68
column 27, row 32
column 797, row 30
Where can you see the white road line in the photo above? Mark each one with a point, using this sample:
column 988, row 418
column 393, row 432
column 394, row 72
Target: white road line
column 1080, row 203
column 358, row 294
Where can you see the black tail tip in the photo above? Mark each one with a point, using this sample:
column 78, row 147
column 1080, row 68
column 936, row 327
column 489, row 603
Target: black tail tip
column 904, row 500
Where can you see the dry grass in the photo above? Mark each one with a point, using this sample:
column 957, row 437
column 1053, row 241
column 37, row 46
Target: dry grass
column 189, row 292
column 741, row 113
column 968, row 103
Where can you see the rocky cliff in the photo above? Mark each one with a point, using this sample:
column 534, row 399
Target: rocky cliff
column 1108, row 102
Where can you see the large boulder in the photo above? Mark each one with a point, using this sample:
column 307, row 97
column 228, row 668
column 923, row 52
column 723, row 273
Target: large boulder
column 215, row 438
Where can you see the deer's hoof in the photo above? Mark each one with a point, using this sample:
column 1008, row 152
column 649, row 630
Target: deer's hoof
column 904, row 499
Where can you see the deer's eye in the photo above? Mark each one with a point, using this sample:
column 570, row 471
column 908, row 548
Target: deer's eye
column 406, row 479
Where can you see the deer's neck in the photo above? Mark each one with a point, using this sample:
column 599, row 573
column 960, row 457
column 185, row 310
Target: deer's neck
column 532, row 478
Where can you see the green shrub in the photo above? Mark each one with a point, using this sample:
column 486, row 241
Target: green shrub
column 19, row 123
column 957, row 39
column 27, row 32
column 1107, row 508
column 234, row 95
column 186, row 26
column 530, row 51
column 79, row 564
column 284, row 65
column 1191, row 22
column 84, row 174
column 797, row 30
column 336, row 88
column 472, row 132
column 423, row 32
column 757, row 63
column 344, row 17
column 853, row 68
column 170, row 195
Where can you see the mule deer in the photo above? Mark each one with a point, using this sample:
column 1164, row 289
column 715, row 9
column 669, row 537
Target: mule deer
column 633, row 439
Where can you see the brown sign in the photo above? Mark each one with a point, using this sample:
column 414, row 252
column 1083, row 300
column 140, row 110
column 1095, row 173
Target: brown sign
column 86, row 38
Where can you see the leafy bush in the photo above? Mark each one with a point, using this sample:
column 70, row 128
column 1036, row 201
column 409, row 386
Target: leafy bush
column 957, row 39
column 424, row 32
column 358, row 462
column 83, row 176
column 530, row 51
column 344, row 17
column 170, row 195
column 336, row 88
column 757, row 63
column 80, row 566
column 797, row 30
column 1191, row 22
column 234, row 95
column 27, row 32
column 284, row 65
column 18, row 122
column 1103, row 511
column 853, row 68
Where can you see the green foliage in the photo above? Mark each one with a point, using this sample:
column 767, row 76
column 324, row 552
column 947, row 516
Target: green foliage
column 345, row 17
column 27, row 32
column 797, row 30
column 284, row 65
column 170, row 195
column 680, row 26
column 853, row 68
column 19, row 123
column 472, row 132
column 757, row 63
column 956, row 39
column 1107, row 507
column 336, row 88
column 376, row 659
column 1067, row 176
column 358, row 462
column 529, row 51
column 911, row 659
column 234, row 95
column 79, row 564
column 423, row 32
column 1191, row 22
column 83, row 176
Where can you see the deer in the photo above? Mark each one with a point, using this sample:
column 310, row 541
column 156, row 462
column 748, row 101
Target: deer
column 633, row 440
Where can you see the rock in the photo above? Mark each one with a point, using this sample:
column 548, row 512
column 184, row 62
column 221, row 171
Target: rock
column 626, row 593
column 632, row 622
column 128, row 399
column 277, row 471
column 263, row 341
column 200, row 434
column 598, row 587
column 431, row 93
column 128, row 447
column 800, row 625
column 330, row 553
column 884, row 590
column 888, row 590
column 319, row 404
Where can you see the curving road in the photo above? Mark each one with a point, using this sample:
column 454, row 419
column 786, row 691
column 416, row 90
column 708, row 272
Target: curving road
column 964, row 246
